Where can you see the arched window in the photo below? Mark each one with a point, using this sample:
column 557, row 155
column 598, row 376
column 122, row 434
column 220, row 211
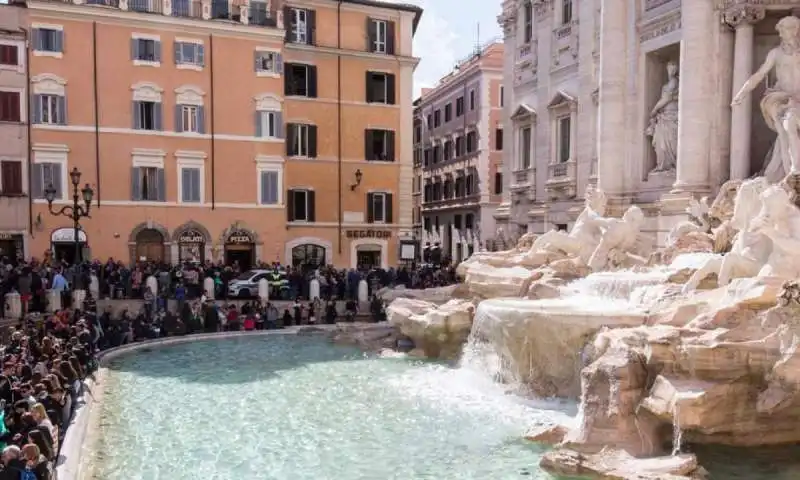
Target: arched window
column 308, row 255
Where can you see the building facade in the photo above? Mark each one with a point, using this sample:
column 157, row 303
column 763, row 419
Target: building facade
column 14, row 200
column 551, row 66
column 458, row 142
column 244, row 131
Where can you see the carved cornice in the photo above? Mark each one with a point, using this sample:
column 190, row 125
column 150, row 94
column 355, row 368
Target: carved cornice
column 542, row 7
column 740, row 14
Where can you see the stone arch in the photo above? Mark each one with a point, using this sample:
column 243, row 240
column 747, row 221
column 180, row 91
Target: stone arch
column 147, row 92
column 267, row 101
column 191, row 225
column 237, row 225
column 149, row 226
column 163, row 252
column 296, row 242
column 189, row 95
column 49, row 83
column 380, row 242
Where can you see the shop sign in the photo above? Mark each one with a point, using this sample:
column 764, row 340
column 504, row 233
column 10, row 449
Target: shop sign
column 368, row 234
column 7, row 236
column 240, row 237
column 192, row 237
column 67, row 235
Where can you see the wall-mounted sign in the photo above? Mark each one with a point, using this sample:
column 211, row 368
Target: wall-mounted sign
column 67, row 235
column 191, row 236
column 4, row 236
column 239, row 237
column 368, row 234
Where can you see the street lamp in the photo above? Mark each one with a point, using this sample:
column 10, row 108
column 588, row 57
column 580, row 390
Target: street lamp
column 76, row 211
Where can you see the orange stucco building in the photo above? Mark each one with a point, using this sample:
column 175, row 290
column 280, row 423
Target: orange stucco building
column 224, row 130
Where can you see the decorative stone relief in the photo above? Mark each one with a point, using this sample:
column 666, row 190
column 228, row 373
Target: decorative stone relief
column 48, row 83
column 146, row 92
column 662, row 26
column 189, row 95
column 653, row 4
column 542, row 8
column 565, row 45
column 735, row 15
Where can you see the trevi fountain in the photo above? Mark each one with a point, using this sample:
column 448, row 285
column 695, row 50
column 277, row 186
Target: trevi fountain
column 666, row 347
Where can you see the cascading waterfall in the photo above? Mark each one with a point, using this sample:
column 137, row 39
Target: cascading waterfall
column 677, row 433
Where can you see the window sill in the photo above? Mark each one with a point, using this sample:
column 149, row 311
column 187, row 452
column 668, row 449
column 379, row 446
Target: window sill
column 153, row 130
column 12, row 68
column 46, row 53
column 301, row 157
column 294, row 96
column 12, row 122
column 146, row 63
column 13, row 195
column 269, row 138
column 189, row 66
column 380, row 161
column 264, row 74
column 51, row 124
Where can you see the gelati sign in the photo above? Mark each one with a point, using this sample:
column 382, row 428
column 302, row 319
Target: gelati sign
column 239, row 237
column 192, row 237
column 368, row 234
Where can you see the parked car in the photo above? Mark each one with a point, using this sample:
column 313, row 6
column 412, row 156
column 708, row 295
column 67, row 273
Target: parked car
column 246, row 284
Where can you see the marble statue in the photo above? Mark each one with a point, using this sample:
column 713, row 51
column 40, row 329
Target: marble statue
column 620, row 238
column 751, row 247
column 780, row 222
column 699, row 221
column 585, row 235
column 663, row 127
column 781, row 103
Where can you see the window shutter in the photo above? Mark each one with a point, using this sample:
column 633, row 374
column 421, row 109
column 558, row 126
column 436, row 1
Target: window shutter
column 257, row 121
column 291, row 133
column 157, row 116
column 59, row 41
column 36, row 35
column 177, row 51
column 36, row 104
column 56, row 167
column 312, row 141
column 136, row 119
column 372, row 32
column 198, row 187
column 256, row 61
column 278, row 63
column 288, row 81
column 311, row 71
column 390, row 89
column 136, row 188
column 273, row 188
column 178, row 118
column 201, row 55
column 390, row 145
column 311, row 27
column 368, row 153
column 367, row 85
column 134, row 49
column 186, row 185
column 277, row 117
column 201, row 119
column 157, row 51
column 36, row 183
column 290, row 205
column 61, row 103
column 162, row 185
column 370, row 208
column 311, row 199
column 287, row 23
column 265, row 188
column 387, row 200
column 390, row 38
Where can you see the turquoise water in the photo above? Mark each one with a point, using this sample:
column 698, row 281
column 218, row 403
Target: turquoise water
column 297, row 408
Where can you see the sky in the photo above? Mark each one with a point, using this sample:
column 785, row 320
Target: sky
column 448, row 32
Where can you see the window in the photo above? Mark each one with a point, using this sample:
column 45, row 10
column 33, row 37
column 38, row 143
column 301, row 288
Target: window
column 48, row 40
column 379, row 145
column 269, row 187
column 498, row 183
column 472, row 142
column 380, row 36
column 189, row 118
column 45, row 175
column 269, row 124
column 525, row 147
column 10, row 177
column 459, row 106
column 379, row 207
column 190, row 185
column 268, row 63
column 301, row 140
column 147, row 184
column 561, row 227
column 300, row 80
column 459, row 146
column 145, row 50
column 498, row 138
column 187, row 53
column 468, row 221
column 448, row 112
column 429, row 121
column 417, row 131
column 9, row 55
column 301, row 25
column 380, row 88
column 437, row 118
column 49, row 109
column 528, row 18
column 10, row 107
column 472, row 100
column 300, row 207
column 566, row 11
column 147, row 115
column 564, row 137
column 502, row 96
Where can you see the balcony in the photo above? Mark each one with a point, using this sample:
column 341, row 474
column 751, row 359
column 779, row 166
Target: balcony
column 453, row 202
column 523, row 183
column 246, row 12
column 562, row 180
column 565, row 45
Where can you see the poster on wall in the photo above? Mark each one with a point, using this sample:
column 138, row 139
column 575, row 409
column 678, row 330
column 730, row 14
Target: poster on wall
column 408, row 251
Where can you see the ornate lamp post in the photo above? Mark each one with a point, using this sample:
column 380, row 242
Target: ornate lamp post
column 76, row 211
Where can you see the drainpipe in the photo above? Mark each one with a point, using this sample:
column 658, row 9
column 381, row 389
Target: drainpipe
column 96, row 112
column 28, row 103
column 210, row 56
column 339, row 117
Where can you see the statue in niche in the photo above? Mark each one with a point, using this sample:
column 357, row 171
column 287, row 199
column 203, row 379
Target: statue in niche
column 781, row 103
column 663, row 127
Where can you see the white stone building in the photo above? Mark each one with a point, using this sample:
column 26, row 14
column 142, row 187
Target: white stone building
column 603, row 64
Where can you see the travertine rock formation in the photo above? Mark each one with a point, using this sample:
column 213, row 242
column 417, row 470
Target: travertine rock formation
column 437, row 331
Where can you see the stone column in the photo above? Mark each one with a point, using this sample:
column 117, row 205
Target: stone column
column 742, row 18
column 696, row 112
column 611, row 138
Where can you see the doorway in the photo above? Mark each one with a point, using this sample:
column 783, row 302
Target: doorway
column 368, row 256
column 150, row 246
column 241, row 255
column 308, row 256
column 64, row 252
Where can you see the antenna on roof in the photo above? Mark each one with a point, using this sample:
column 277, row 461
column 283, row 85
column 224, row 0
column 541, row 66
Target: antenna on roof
column 478, row 39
